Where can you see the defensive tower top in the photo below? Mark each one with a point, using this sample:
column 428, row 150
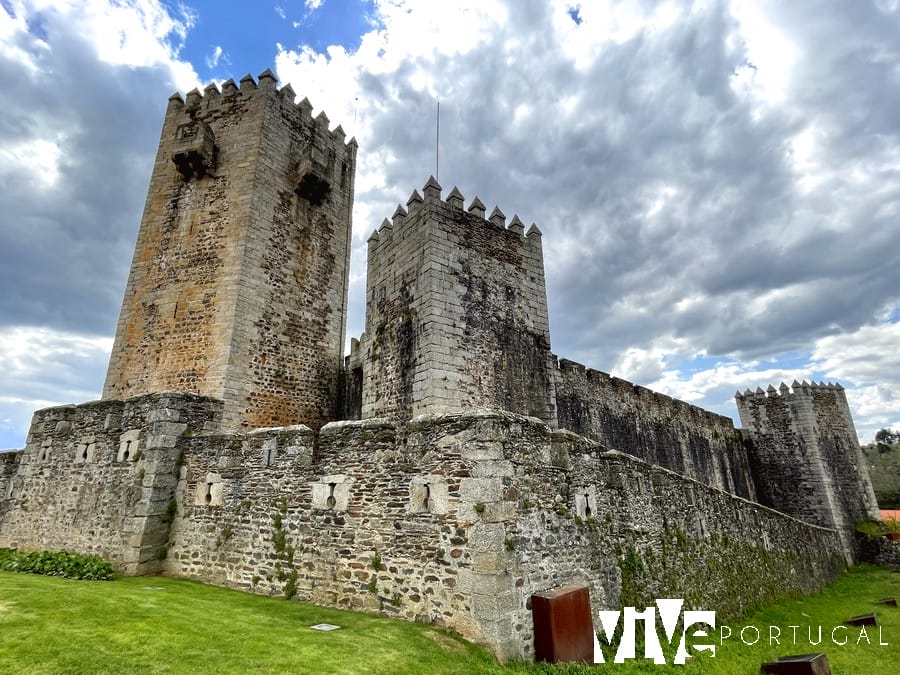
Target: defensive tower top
column 456, row 312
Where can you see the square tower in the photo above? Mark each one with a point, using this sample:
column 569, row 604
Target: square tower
column 238, row 284
column 806, row 458
column 456, row 313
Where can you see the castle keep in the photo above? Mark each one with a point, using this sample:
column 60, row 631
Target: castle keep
column 445, row 470
column 238, row 287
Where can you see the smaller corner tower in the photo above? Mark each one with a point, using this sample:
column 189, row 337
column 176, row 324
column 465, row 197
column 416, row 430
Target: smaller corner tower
column 238, row 285
column 806, row 458
column 456, row 313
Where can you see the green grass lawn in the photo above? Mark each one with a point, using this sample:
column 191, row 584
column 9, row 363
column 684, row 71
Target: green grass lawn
column 157, row 624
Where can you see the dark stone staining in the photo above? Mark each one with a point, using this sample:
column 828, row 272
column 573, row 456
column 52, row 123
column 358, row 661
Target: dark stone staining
column 395, row 348
column 351, row 387
column 653, row 428
column 486, row 239
column 496, row 335
column 313, row 189
column 521, row 378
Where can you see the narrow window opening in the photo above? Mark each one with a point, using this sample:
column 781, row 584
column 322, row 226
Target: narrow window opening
column 127, row 453
column 587, row 506
column 84, row 452
column 175, row 313
column 427, row 501
column 331, row 501
column 209, row 493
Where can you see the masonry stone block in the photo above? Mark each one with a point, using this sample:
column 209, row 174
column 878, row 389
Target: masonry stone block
column 479, row 450
column 499, row 512
column 331, row 492
column 493, row 469
column 480, row 490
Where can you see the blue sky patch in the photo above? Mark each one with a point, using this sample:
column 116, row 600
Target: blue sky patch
column 244, row 39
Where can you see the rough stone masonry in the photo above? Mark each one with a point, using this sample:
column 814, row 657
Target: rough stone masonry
column 451, row 465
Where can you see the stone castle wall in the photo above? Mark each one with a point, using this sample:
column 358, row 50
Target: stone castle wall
column 454, row 519
column 456, row 313
column 879, row 551
column 99, row 478
column 238, row 283
column 9, row 463
column 806, row 456
column 653, row 427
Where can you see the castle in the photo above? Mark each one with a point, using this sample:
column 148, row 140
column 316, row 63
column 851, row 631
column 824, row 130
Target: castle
column 447, row 468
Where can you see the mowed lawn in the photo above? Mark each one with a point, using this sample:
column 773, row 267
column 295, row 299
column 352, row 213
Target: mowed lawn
column 158, row 624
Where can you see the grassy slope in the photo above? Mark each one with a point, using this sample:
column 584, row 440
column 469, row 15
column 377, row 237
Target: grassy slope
column 56, row 625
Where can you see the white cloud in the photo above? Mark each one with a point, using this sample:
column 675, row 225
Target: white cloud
column 216, row 56
column 717, row 182
column 37, row 157
column 42, row 368
column 136, row 33
column 85, row 86
column 866, row 362
column 771, row 53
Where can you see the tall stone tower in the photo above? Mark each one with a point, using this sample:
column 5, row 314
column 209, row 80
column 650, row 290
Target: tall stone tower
column 238, row 284
column 456, row 313
column 806, row 458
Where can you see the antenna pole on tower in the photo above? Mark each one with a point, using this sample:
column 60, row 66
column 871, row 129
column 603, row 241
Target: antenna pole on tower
column 437, row 145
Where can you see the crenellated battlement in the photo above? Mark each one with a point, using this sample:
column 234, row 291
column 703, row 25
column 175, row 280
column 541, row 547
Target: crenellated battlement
column 212, row 96
column 664, row 405
column 808, row 404
column 803, row 388
column 806, row 456
column 653, row 426
column 472, row 217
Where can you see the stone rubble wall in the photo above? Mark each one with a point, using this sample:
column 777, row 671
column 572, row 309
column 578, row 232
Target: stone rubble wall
column 634, row 532
column 879, row 551
column 658, row 429
column 99, row 478
column 398, row 536
column 9, row 464
column 457, row 519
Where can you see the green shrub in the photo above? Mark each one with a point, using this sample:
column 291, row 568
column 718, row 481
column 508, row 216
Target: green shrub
column 877, row 528
column 56, row 564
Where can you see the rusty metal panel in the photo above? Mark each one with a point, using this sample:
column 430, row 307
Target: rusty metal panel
column 563, row 627
column 800, row 664
column 862, row 620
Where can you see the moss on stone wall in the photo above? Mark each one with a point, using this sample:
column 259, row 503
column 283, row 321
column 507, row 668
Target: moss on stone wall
column 711, row 573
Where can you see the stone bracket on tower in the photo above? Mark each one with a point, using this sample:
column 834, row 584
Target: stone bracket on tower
column 314, row 171
column 195, row 150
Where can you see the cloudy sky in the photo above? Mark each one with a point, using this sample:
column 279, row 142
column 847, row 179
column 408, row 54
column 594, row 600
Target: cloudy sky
column 718, row 183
